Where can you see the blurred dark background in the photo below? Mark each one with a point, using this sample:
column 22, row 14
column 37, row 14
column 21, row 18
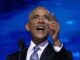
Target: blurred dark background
column 14, row 16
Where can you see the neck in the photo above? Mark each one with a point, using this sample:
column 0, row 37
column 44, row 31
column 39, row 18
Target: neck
column 37, row 41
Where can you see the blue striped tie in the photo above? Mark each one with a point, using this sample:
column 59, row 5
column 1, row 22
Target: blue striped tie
column 34, row 55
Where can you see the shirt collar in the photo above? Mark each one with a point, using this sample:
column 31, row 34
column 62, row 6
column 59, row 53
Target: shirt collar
column 42, row 45
column 32, row 45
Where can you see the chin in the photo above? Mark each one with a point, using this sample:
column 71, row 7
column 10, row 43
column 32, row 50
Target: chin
column 40, row 36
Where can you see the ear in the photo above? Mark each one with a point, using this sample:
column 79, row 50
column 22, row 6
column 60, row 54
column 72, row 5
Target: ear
column 27, row 26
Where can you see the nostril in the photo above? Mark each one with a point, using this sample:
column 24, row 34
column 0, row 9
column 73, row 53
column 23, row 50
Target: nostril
column 41, row 22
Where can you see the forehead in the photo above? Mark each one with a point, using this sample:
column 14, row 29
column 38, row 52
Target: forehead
column 40, row 10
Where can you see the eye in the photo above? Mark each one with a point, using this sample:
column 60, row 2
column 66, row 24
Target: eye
column 35, row 17
column 47, row 17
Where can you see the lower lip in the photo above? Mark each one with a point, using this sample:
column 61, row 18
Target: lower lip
column 40, row 30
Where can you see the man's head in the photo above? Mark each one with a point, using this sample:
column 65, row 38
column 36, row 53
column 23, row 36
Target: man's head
column 37, row 24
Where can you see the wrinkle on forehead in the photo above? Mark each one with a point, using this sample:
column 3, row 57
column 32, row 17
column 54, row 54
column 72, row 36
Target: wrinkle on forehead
column 44, row 9
column 38, row 9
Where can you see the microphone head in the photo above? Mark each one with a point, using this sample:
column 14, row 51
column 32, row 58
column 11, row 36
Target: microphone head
column 21, row 44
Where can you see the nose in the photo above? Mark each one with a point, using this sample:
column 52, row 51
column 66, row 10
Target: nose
column 41, row 20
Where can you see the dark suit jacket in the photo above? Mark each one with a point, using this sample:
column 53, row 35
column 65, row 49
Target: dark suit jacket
column 48, row 54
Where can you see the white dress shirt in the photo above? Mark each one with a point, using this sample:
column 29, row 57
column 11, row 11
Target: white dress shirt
column 42, row 46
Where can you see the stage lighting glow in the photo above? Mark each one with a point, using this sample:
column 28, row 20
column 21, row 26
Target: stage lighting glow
column 71, row 22
column 76, row 54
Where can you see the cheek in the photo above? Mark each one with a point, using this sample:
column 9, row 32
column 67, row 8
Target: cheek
column 32, row 26
column 33, row 22
column 46, row 22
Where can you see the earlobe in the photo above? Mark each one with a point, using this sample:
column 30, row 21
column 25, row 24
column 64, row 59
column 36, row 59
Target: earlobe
column 27, row 27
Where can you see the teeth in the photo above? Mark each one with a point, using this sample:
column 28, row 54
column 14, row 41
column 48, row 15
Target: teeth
column 40, row 28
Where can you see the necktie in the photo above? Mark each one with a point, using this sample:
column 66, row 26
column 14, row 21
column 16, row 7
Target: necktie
column 34, row 55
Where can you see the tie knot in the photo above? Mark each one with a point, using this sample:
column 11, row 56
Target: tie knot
column 36, row 48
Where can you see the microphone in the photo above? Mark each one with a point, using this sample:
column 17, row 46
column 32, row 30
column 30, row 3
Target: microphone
column 21, row 45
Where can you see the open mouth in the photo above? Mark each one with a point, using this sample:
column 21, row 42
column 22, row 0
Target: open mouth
column 40, row 28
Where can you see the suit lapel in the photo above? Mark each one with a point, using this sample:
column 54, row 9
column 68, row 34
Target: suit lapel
column 23, row 54
column 47, row 53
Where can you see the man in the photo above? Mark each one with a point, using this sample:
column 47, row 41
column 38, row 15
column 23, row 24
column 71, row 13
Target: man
column 41, row 24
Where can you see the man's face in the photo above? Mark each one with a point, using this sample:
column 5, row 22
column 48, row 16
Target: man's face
column 38, row 23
